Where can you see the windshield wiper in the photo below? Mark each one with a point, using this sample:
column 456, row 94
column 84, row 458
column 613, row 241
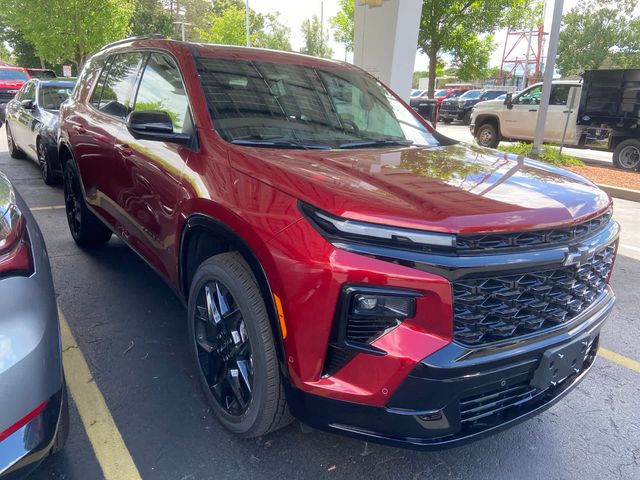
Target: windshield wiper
column 281, row 144
column 375, row 143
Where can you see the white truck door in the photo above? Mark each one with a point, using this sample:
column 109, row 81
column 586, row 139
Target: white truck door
column 557, row 115
column 520, row 120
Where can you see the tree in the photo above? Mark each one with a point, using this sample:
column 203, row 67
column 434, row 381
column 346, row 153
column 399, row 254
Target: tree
column 315, row 40
column 599, row 33
column 458, row 27
column 227, row 26
column 343, row 24
column 150, row 16
column 78, row 28
column 417, row 75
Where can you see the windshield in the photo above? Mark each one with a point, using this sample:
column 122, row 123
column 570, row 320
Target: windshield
column 255, row 102
column 471, row 94
column 9, row 74
column 415, row 93
column 51, row 97
column 440, row 94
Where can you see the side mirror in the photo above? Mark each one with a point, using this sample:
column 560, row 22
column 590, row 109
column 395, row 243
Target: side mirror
column 154, row 125
column 27, row 104
column 508, row 101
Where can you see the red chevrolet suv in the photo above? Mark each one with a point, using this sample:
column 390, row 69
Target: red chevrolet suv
column 341, row 261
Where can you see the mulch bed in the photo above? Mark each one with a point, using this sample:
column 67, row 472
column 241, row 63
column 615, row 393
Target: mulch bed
column 609, row 176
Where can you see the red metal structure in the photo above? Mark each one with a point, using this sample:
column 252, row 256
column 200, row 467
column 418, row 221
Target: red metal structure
column 513, row 59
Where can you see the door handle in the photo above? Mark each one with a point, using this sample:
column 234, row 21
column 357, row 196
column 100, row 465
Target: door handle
column 123, row 149
column 79, row 129
column 533, row 109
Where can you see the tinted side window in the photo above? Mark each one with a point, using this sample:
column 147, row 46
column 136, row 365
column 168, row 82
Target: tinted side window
column 559, row 94
column 161, row 88
column 118, row 86
column 97, row 92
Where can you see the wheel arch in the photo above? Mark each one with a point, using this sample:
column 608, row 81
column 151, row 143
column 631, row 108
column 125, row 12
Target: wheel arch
column 487, row 118
column 203, row 237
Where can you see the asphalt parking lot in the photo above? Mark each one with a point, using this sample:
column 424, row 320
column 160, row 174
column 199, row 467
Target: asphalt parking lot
column 132, row 332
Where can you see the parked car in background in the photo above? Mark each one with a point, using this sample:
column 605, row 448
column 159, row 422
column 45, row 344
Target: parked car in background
column 460, row 108
column 43, row 73
column 11, row 80
column 605, row 115
column 341, row 260
column 416, row 92
column 444, row 94
column 34, row 411
column 32, row 124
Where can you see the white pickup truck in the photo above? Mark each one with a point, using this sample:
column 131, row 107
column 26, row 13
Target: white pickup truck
column 604, row 114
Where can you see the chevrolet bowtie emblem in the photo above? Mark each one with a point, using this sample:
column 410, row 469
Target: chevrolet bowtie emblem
column 578, row 256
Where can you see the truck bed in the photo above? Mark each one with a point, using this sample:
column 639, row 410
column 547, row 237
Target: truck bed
column 610, row 97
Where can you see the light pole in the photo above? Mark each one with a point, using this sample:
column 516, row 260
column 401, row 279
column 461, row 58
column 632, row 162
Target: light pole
column 246, row 21
column 548, row 77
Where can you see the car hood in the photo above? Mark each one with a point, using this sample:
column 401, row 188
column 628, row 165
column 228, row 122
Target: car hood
column 455, row 188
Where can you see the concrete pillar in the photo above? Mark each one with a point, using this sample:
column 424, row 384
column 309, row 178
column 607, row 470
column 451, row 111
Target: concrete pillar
column 386, row 40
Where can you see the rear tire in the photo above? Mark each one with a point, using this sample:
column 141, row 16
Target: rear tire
column 14, row 151
column 627, row 155
column 487, row 136
column 86, row 229
column 234, row 349
column 44, row 161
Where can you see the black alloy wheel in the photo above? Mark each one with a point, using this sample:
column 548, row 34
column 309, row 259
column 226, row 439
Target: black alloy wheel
column 48, row 176
column 234, row 347
column 86, row 229
column 224, row 349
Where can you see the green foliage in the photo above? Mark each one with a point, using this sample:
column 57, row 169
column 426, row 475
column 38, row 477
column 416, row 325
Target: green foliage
column 343, row 24
column 68, row 29
column 460, row 27
column 599, row 34
column 150, row 16
column 227, row 26
column 315, row 40
column 550, row 154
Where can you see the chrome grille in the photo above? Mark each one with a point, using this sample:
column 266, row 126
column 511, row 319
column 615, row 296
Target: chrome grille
column 506, row 306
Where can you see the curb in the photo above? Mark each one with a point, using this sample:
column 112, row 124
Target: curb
column 623, row 193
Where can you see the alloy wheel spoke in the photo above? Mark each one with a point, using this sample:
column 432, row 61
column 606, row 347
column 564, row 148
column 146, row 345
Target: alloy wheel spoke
column 234, row 382
column 243, row 367
column 212, row 308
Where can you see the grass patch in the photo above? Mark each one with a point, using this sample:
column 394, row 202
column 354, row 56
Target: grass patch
column 550, row 154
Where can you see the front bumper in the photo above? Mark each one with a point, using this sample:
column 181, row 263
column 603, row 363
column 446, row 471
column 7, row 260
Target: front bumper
column 451, row 113
column 458, row 394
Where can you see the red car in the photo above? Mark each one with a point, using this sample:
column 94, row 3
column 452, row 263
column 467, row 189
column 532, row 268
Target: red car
column 340, row 261
column 11, row 80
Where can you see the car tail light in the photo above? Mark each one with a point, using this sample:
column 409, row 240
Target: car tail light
column 15, row 251
column 23, row 421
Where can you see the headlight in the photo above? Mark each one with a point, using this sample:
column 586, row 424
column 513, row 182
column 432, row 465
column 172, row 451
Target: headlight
column 337, row 229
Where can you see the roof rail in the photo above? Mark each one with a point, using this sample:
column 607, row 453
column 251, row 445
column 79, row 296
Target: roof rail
column 131, row 39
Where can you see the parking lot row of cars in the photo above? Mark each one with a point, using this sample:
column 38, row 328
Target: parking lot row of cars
column 340, row 261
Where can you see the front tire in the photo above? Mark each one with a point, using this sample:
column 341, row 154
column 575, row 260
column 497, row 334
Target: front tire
column 466, row 118
column 86, row 229
column 14, row 151
column 234, row 349
column 627, row 155
column 487, row 136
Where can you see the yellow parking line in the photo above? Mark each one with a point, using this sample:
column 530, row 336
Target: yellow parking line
column 619, row 359
column 111, row 452
column 52, row 207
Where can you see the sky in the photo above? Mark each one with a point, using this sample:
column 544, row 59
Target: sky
column 294, row 12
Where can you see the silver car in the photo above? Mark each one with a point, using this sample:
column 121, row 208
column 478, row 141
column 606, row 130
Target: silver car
column 34, row 415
